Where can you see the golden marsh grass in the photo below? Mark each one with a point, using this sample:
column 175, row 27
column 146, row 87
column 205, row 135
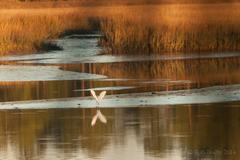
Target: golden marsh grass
column 163, row 29
column 127, row 29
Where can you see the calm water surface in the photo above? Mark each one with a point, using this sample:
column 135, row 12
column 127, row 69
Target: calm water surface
column 160, row 132
column 206, row 131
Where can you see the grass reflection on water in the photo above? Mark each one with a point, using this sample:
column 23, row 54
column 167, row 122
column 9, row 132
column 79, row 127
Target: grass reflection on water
column 141, row 76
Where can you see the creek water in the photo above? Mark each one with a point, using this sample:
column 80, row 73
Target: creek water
column 184, row 106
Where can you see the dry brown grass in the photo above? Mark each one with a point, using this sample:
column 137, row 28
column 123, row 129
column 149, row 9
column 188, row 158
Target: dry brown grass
column 28, row 29
column 137, row 29
column 172, row 29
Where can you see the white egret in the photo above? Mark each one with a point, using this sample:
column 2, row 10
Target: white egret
column 98, row 114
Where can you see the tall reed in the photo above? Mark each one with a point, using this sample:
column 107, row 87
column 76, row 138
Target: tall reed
column 167, row 29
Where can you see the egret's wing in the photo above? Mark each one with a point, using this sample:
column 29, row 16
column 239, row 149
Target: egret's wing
column 101, row 95
column 94, row 120
column 101, row 117
column 94, row 95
